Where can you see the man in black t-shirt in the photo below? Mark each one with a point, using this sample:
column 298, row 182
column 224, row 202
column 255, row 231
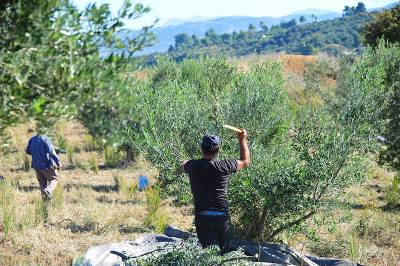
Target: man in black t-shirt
column 209, row 180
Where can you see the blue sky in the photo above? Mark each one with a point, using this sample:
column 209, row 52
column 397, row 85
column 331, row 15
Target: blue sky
column 185, row 9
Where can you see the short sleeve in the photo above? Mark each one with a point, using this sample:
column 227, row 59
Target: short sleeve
column 187, row 167
column 230, row 165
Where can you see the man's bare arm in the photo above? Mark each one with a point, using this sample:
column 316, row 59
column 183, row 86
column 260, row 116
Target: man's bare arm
column 244, row 150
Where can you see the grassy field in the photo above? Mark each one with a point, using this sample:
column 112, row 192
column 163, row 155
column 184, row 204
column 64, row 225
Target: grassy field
column 89, row 208
column 96, row 203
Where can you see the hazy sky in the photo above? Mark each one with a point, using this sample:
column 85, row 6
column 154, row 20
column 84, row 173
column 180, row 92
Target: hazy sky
column 184, row 9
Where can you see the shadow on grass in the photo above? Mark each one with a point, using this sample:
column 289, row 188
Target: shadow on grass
column 393, row 208
column 86, row 227
column 68, row 187
column 106, row 200
column 126, row 230
column 97, row 188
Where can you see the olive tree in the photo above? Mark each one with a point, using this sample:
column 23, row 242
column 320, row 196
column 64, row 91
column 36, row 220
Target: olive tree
column 50, row 61
column 301, row 158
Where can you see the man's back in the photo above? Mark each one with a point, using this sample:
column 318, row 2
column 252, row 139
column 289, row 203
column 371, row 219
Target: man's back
column 42, row 151
column 209, row 181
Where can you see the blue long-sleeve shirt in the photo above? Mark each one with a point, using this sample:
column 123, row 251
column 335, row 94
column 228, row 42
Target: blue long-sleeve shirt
column 43, row 153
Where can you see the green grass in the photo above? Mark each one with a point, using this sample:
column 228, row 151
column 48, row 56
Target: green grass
column 94, row 165
column 70, row 155
column 112, row 156
column 8, row 208
column 156, row 217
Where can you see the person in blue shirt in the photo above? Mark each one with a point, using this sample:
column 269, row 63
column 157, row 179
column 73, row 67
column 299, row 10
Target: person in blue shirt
column 45, row 162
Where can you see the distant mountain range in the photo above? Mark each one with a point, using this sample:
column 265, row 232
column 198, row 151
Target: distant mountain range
column 199, row 25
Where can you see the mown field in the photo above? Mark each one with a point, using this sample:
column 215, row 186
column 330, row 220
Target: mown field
column 97, row 201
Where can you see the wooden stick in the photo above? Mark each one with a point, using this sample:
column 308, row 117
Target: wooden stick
column 238, row 130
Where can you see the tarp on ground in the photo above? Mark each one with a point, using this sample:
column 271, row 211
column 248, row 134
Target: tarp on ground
column 268, row 253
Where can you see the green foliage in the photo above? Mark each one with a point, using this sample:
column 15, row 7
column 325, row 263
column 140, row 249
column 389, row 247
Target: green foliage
column 354, row 10
column 300, row 158
column 190, row 253
column 50, row 64
column 369, row 95
column 392, row 196
column 385, row 25
column 306, row 38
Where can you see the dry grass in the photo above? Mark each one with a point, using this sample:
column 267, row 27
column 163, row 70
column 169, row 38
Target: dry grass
column 87, row 209
column 360, row 228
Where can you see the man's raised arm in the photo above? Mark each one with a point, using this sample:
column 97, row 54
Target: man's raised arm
column 244, row 150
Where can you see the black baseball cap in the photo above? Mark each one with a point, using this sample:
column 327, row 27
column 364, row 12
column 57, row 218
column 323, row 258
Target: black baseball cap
column 210, row 141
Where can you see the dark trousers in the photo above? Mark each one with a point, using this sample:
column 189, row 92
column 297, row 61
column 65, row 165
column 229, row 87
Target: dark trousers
column 214, row 230
column 48, row 179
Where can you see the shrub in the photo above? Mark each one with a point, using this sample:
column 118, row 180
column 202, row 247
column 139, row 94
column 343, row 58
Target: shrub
column 156, row 216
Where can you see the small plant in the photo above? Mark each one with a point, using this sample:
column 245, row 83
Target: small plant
column 94, row 165
column 156, row 217
column 41, row 211
column 27, row 220
column 77, row 149
column 27, row 163
column 62, row 143
column 57, row 200
column 15, row 182
column 70, row 155
column 112, row 156
column 90, row 143
column 84, row 165
column 354, row 246
column 124, row 187
column 8, row 207
column 393, row 195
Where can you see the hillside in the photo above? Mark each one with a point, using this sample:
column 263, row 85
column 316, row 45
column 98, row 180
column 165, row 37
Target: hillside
column 166, row 33
column 334, row 36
